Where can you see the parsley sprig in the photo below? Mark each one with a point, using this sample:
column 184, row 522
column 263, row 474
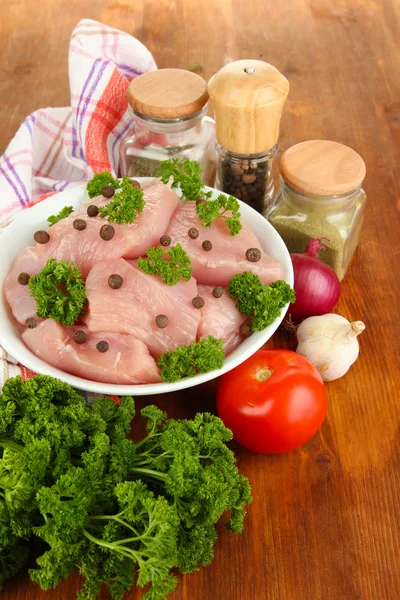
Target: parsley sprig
column 171, row 265
column 209, row 211
column 186, row 175
column 98, row 181
column 125, row 204
column 187, row 361
column 63, row 214
column 59, row 291
column 255, row 299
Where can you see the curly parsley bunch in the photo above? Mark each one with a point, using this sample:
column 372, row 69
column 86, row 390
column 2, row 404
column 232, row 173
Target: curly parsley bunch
column 122, row 513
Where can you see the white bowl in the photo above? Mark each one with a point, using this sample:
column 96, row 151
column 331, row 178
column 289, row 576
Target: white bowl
column 20, row 234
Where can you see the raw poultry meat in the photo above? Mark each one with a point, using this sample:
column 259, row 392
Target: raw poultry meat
column 86, row 248
column 220, row 318
column 21, row 302
column 134, row 307
column 228, row 254
column 126, row 317
column 127, row 360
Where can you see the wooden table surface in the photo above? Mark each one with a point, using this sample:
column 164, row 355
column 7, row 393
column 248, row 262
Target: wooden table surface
column 325, row 519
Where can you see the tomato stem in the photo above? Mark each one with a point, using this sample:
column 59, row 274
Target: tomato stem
column 263, row 374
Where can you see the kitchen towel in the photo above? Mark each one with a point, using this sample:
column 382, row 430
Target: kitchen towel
column 58, row 148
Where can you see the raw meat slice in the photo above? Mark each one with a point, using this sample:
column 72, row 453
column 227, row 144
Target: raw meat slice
column 220, row 318
column 86, row 248
column 127, row 360
column 134, row 307
column 21, row 302
column 228, row 254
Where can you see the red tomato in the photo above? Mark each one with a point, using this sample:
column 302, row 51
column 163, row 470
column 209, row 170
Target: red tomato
column 273, row 402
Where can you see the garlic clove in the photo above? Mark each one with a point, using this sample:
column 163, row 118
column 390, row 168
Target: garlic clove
column 329, row 342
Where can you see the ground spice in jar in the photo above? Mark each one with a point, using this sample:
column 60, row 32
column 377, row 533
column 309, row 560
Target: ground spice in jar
column 318, row 198
column 168, row 108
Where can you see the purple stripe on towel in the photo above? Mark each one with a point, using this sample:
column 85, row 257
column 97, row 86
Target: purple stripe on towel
column 92, row 70
column 17, row 177
column 13, row 186
column 91, row 92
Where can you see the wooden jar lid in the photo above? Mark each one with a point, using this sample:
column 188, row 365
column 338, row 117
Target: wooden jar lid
column 322, row 168
column 167, row 94
column 248, row 98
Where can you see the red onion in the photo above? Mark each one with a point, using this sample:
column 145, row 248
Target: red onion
column 316, row 284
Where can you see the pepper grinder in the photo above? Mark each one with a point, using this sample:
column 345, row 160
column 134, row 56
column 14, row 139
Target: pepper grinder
column 248, row 98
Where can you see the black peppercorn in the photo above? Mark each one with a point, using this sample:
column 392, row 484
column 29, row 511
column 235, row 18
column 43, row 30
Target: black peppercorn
column 236, row 168
column 165, row 240
column 248, row 178
column 218, row 291
column 103, row 346
column 245, row 179
column 245, row 330
column 135, row 183
column 162, row 321
column 108, row 191
column 41, row 237
column 193, row 233
column 80, row 337
column 253, row 254
column 23, row 278
column 31, row 323
column 200, row 201
column 107, row 232
column 198, row 302
column 207, row 245
column 115, row 281
column 92, row 210
column 79, row 224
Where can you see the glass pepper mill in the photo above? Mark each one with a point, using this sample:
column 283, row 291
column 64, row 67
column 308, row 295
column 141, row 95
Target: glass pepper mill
column 168, row 108
column 248, row 98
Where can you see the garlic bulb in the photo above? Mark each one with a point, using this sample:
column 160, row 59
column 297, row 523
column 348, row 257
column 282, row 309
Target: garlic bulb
column 329, row 342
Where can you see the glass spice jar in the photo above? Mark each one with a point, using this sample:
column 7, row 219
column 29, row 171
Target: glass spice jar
column 248, row 98
column 247, row 178
column 321, row 196
column 168, row 108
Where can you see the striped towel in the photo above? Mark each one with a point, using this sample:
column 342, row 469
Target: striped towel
column 58, row 148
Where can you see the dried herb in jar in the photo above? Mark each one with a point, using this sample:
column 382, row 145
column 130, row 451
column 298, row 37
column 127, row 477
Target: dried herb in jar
column 319, row 198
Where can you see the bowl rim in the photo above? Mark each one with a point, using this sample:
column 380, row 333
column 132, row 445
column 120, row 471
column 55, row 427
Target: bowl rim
column 26, row 219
